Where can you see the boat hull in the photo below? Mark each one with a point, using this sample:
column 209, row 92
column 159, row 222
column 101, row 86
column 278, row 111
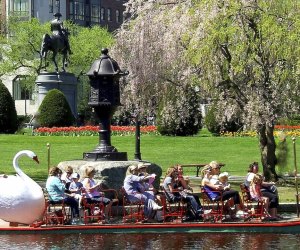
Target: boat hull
column 290, row 227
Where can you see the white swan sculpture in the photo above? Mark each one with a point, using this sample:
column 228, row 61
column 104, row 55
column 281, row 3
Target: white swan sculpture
column 21, row 199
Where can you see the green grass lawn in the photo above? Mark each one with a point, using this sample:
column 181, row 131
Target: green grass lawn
column 165, row 151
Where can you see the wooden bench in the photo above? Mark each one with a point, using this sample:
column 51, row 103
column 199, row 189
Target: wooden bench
column 198, row 166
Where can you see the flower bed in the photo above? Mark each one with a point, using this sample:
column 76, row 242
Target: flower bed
column 288, row 130
column 91, row 130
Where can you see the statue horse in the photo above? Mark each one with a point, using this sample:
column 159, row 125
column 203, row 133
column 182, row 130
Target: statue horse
column 57, row 44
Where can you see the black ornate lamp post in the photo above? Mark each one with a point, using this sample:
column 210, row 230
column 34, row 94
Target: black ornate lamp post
column 137, row 154
column 104, row 98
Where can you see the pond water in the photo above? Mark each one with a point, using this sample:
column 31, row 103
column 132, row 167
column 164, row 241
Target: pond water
column 150, row 241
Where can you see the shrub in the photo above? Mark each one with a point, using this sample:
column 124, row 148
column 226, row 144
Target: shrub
column 293, row 120
column 22, row 119
column 122, row 117
column 8, row 113
column 210, row 121
column 55, row 111
column 216, row 127
column 179, row 112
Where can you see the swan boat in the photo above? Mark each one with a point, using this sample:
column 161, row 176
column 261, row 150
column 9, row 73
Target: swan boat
column 22, row 202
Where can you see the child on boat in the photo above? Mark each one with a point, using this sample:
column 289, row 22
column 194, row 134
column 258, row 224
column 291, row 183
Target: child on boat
column 76, row 188
column 255, row 191
column 223, row 180
column 266, row 191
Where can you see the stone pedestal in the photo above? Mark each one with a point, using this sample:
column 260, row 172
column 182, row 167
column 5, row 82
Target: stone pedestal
column 110, row 173
column 63, row 81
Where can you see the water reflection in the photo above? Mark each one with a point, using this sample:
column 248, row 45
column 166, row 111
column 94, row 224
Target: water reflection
column 150, row 241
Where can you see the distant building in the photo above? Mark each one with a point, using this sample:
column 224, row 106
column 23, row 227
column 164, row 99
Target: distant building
column 106, row 13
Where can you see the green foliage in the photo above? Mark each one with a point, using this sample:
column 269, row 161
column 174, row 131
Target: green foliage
column 210, row 121
column 282, row 153
column 55, row 111
column 21, row 48
column 8, row 113
column 86, row 44
column 179, row 112
column 122, row 117
column 294, row 120
column 216, row 126
column 22, row 119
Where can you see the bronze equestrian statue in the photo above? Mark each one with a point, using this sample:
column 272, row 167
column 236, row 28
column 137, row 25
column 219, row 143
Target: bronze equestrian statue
column 58, row 42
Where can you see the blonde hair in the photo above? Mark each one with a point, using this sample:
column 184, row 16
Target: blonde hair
column 69, row 169
column 88, row 171
column 170, row 171
column 131, row 169
column 223, row 178
column 214, row 164
column 205, row 169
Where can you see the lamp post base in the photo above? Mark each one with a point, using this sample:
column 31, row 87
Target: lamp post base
column 105, row 156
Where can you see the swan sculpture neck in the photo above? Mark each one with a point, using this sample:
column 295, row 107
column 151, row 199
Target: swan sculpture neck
column 28, row 153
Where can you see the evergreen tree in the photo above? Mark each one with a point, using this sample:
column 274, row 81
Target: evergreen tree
column 55, row 111
column 8, row 113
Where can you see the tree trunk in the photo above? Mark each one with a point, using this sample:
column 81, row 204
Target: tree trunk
column 267, row 150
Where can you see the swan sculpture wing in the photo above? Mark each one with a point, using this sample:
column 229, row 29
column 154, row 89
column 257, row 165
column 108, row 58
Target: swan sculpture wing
column 21, row 198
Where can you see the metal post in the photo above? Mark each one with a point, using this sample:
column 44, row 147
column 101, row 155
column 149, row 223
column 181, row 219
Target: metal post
column 48, row 155
column 296, row 175
column 137, row 154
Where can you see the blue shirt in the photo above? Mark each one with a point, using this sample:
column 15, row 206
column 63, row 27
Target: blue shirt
column 55, row 188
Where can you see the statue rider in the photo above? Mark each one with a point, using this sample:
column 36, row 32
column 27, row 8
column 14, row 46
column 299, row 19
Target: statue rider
column 58, row 29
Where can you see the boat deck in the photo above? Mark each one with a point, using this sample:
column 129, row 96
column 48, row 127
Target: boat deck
column 289, row 225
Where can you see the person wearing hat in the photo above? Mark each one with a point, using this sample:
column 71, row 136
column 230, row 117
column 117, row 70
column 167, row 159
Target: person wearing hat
column 132, row 186
column 58, row 29
column 146, row 185
column 76, row 188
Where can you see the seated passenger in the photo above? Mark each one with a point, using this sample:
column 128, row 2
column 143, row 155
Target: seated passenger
column 132, row 186
column 173, row 195
column 147, row 186
column 66, row 177
column 92, row 190
column 215, row 191
column 56, row 190
column 268, row 189
column 76, row 188
column 182, row 183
